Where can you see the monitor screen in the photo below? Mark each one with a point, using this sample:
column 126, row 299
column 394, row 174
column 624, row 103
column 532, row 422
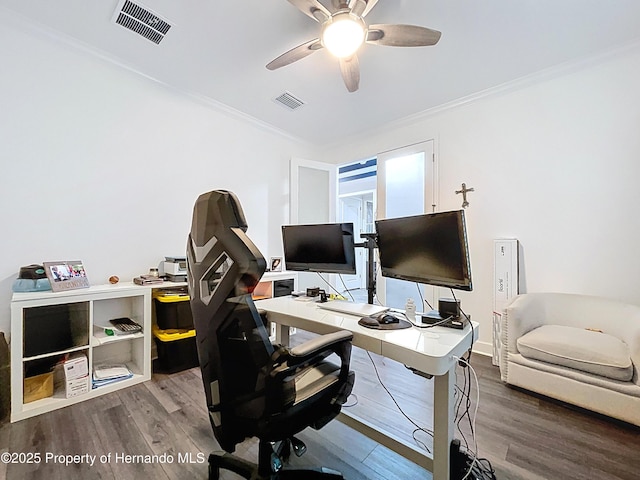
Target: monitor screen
column 430, row 249
column 327, row 248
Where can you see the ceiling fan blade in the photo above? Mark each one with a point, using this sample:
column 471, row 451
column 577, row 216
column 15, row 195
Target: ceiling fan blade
column 339, row 4
column 295, row 54
column 362, row 7
column 312, row 8
column 402, row 35
column 350, row 69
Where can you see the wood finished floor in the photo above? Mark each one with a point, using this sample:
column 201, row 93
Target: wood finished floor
column 524, row 436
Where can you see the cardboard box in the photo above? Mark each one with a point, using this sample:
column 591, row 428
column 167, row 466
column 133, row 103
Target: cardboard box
column 40, row 386
column 76, row 366
column 77, row 386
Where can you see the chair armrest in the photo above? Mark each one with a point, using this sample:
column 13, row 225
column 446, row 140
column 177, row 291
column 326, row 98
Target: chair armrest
column 314, row 351
column 318, row 344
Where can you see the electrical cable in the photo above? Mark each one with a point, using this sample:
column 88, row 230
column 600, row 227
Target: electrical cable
column 330, row 286
column 422, row 299
column 355, row 397
column 418, row 427
column 475, row 414
column 345, row 287
column 462, row 397
column 481, row 468
column 468, row 320
column 431, row 325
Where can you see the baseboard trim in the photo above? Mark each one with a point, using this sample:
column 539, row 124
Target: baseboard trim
column 483, row 348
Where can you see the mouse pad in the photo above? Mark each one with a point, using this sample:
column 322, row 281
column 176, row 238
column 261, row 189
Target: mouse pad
column 368, row 322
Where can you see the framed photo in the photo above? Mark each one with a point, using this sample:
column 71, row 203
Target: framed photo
column 66, row 275
column 276, row 264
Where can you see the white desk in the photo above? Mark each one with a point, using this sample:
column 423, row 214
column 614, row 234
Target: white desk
column 430, row 351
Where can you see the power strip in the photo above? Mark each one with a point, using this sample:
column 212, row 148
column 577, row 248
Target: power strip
column 461, row 462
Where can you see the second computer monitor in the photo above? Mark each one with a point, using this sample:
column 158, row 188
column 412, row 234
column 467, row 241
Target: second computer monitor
column 430, row 249
column 327, row 248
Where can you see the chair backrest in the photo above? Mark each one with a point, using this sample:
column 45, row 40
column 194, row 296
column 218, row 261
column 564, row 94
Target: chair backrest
column 223, row 268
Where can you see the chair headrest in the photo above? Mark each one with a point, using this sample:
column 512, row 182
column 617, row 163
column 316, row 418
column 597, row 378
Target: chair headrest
column 215, row 210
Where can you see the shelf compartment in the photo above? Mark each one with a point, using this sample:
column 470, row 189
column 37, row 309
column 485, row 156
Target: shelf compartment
column 129, row 351
column 55, row 328
column 110, row 308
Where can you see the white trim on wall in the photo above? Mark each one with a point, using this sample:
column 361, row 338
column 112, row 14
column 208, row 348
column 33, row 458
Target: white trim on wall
column 296, row 165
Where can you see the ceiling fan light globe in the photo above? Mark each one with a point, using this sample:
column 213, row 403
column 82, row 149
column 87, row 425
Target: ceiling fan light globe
column 343, row 34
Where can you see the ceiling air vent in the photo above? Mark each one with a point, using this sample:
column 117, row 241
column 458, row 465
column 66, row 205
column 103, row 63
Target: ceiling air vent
column 289, row 101
column 141, row 21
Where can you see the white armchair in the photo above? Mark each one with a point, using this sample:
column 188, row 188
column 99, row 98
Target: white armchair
column 579, row 349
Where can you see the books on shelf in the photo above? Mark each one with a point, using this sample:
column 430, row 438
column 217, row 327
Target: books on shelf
column 147, row 280
column 107, row 374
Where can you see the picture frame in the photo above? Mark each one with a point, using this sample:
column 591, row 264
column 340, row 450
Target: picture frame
column 66, row 275
column 275, row 264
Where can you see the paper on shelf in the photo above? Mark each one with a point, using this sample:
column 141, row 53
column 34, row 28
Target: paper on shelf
column 106, row 372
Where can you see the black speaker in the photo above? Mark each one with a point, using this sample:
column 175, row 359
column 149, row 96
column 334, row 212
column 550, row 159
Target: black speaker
column 449, row 307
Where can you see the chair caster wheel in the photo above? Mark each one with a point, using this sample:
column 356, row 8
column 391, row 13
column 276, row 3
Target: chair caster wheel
column 214, row 473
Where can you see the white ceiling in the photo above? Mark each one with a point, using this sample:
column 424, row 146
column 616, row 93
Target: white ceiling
column 218, row 50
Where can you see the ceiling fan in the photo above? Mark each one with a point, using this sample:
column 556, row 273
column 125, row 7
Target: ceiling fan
column 344, row 31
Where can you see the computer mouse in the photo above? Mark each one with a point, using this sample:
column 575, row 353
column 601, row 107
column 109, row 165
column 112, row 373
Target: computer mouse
column 387, row 319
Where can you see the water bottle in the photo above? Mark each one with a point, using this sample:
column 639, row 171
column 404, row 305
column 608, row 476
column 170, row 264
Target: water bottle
column 410, row 310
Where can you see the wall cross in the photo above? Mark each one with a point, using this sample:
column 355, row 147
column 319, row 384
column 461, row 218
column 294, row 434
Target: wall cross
column 464, row 191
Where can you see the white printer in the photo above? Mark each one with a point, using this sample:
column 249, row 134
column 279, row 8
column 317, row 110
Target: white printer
column 175, row 268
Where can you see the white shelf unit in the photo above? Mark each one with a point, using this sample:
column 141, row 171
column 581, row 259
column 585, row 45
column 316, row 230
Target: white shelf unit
column 82, row 312
column 275, row 284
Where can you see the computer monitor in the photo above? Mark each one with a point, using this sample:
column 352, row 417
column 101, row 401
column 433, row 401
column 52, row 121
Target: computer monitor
column 326, row 248
column 430, row 249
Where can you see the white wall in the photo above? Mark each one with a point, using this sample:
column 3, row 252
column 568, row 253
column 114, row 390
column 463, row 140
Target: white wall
column 554, row 163
column 103, row 165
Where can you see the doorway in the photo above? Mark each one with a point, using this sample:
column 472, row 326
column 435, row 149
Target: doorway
column 406, row 185
column 356, row 204
column 358, row 208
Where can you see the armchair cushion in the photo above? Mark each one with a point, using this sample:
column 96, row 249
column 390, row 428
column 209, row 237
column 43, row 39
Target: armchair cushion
column 588, row 351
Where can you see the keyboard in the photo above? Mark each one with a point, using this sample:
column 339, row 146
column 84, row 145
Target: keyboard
column 352, row 308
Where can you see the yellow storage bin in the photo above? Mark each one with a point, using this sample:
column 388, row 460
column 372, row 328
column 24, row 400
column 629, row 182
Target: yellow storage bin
column 176, row 348
column 173, row 310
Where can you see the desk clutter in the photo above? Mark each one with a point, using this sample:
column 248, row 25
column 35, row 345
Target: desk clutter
column 69, row 376
column 106, row 374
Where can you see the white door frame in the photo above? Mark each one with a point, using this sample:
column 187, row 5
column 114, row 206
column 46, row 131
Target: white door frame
column 427, row 147
column 295, row 167
column 294, row 181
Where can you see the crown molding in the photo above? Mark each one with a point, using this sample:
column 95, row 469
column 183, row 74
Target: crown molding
column 541, row 76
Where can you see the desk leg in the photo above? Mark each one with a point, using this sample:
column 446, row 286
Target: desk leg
column 282, row 334
column 443, row 406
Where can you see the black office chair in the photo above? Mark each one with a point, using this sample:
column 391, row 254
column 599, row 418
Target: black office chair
column 253, row 388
